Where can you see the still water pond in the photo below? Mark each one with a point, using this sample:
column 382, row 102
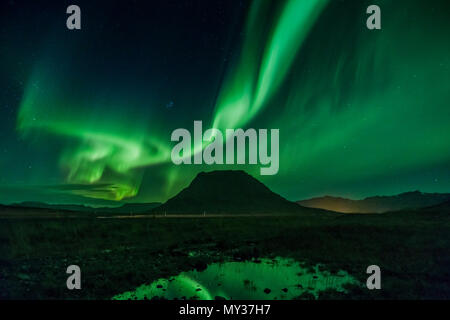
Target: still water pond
column 266, row 279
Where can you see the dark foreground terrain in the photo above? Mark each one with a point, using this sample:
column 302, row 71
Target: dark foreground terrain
column 116, row 255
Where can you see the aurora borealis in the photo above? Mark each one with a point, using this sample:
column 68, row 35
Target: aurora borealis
column 87, row 114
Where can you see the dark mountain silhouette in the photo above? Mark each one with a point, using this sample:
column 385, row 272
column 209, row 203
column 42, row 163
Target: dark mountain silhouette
column 442, row 207
column 128, row 208
column 43, row 205
column 134, row 208
column 378, row 204
column 14, row 211
column 43, row 210
column 227, row 192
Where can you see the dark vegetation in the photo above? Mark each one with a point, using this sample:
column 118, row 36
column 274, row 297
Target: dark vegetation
column 127, row 208
column 116, row 255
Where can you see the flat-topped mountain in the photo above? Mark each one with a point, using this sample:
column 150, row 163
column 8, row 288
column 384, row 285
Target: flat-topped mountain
column 378, row 204
column 227, row 192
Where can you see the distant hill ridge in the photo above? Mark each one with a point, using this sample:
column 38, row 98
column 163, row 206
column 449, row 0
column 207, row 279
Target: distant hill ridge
column 127, row 208
column 378, row 204
column 216, row 192
column 237, row 192
column 227, row 192
column 441, row 207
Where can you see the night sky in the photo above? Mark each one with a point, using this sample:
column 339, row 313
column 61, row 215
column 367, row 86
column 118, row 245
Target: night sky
column 86, row 115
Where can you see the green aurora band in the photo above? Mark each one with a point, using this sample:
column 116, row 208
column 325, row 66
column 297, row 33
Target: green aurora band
column 265, row 60
column 352, row 106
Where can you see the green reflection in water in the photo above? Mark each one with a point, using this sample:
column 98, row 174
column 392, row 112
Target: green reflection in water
column 266, row 279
